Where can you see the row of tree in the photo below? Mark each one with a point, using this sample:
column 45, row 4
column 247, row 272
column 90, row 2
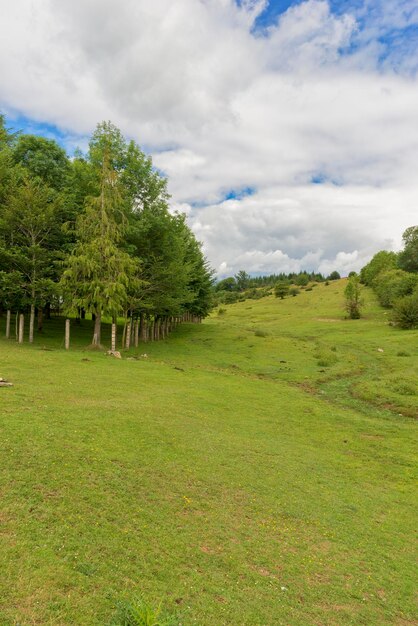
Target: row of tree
column 394, row 278
column 243, row 281
column 94, row 233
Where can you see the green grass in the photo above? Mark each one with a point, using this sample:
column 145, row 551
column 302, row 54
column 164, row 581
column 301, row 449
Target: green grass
column 251, row 470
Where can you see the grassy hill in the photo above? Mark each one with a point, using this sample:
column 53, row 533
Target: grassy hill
column 256, row 469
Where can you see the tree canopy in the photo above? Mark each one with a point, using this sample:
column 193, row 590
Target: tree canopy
column 96, row 230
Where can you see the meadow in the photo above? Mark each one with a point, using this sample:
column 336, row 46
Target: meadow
column 255, row 469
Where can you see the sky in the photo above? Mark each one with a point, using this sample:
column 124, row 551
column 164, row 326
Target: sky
column 288, row 130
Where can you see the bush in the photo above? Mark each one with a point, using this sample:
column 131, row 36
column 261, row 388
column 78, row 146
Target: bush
column 302, row 279
column 334, row 276
column 381, row 262
column 405, row 311
column 353, row 301
column 394, row 284
column 231, row 297
column 293, row 291
column 281, row 290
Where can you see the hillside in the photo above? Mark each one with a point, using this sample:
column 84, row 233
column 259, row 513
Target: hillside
column 256, row 469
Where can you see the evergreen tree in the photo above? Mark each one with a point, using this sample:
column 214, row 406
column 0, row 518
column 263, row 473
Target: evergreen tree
column 98, row 271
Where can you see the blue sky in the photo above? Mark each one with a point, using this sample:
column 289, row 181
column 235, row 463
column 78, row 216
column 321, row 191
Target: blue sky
column 288, row 130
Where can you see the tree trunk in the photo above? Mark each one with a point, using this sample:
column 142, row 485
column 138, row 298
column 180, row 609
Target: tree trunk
column 21, row 327
column 136, row 340
column 97, row 330
column 142, row 328
column 67, row 334
column 113, row 345
column 8, row 324
column 40, row 319
column 128, row 335
column 31, row 322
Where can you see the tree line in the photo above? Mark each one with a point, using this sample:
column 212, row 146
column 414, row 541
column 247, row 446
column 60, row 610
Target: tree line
column 242, row 286
column 394, row 278
column 94, row 233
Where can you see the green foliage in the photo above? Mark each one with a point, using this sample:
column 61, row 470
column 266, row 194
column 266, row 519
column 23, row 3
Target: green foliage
column 242, row 280
column 334, row 276
column 227, row 284
column 302, row 279
column 408, row 258
column 97, row 227
column 381, row 262
column 294, row 291
column 42, row 158
column 29, row 227
column 281, row 290
column 405, row 311
column 353, row 299
column 393, row 284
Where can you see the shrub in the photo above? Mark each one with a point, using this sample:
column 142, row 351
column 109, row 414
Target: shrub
column 394, row 284
column 353, row 301
column 405, row 311
column 221, row 311
column 302, row 279
column 293, row 291
column 231, row 298
column 260, row 333
column 281, row 290
column 381, row 262
column 334, row 276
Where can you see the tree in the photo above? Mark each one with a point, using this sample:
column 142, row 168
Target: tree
column 99, row 272
column 334, row 276
column 281, row 290
column 382, row 261
column 393, row 284
column 29, row 225
column 43, row 159
column 353, row 300
column 302, row 279
column 242, row 280
column 227, row 284
column 408, row 258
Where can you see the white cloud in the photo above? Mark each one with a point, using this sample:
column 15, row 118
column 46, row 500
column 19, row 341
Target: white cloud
column 225, row 108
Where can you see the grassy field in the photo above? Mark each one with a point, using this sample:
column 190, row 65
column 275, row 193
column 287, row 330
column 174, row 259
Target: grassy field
column 257, row 469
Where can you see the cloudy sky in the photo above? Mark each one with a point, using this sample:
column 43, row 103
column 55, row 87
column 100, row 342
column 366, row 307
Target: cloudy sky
column 288, row 129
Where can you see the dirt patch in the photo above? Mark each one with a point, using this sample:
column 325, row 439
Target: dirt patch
column 330, row 320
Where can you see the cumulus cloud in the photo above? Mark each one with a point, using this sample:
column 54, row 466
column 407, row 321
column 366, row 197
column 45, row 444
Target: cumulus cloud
column 309, row 127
